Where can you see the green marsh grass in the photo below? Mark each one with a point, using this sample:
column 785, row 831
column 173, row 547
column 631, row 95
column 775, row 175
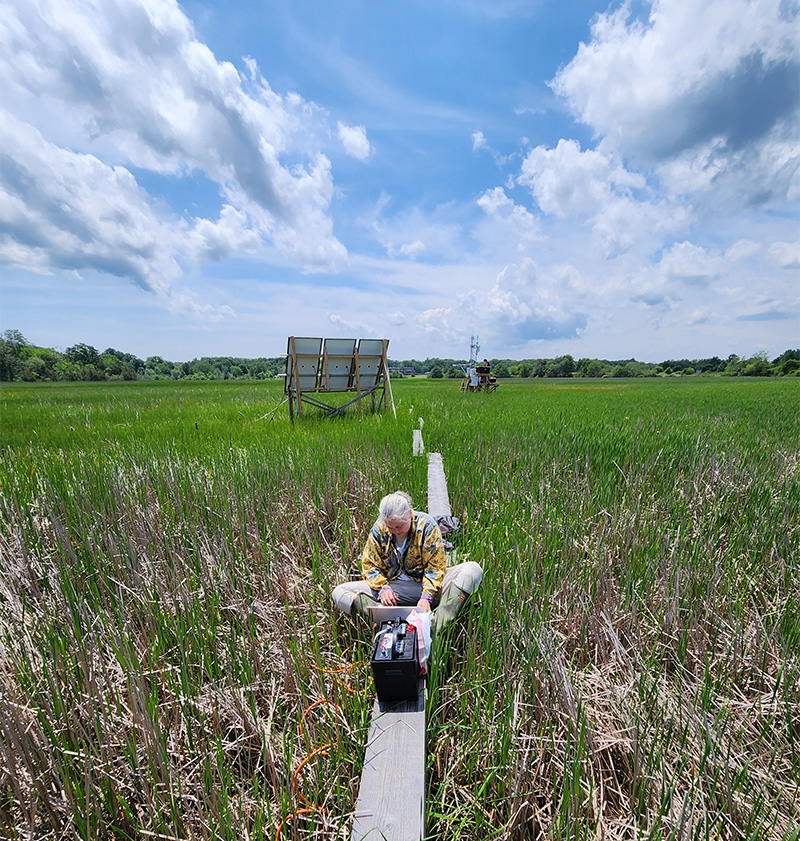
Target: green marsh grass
column 629, row 668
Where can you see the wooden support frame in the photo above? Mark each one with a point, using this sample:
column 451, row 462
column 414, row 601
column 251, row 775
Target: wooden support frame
column 325, row 366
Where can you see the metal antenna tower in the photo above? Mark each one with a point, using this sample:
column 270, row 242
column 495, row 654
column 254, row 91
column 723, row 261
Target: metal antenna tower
column 474, row 348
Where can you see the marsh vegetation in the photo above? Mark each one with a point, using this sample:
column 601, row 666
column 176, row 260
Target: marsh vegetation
column 169, row 656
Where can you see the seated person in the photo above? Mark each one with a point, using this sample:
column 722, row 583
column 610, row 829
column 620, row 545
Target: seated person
column 404, row 563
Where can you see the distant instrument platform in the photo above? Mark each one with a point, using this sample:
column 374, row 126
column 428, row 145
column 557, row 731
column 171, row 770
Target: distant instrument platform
column 479, row 378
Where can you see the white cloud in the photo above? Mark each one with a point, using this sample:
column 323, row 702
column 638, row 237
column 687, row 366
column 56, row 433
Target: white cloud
column 743, row 249
column 567, row 181
column 437, row 321
column 63, row 210
column 351, row 327
column 125, row 84
column 230, row 234
column 355, row 142
column 408, row 249
column 526, row 304
column 66, row 212
column 478, row 141
column 570, row 182
column 701, row 315
column 691, row 264
column 634, row 79
column 695, row 114
column 709, row 88
column 696, row 266
column 785, row 254
column 518, row 220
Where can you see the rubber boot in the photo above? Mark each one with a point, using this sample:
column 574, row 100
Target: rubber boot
column 467, row 579
column 449, row 607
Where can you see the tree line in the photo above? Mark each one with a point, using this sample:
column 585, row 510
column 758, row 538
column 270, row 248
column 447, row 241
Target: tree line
column 21, row 360
column 759, row 365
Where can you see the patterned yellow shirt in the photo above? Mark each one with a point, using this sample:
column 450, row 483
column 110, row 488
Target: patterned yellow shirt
column 423, row 559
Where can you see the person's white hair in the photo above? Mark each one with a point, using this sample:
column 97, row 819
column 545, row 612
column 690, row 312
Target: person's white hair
column 395, row 506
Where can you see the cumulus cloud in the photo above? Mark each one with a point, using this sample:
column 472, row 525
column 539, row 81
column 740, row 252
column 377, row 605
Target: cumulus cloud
column 60, row 210
column 500, row 207
column 438, row 321
column 111, row 87
column 355, row 142
column 211, row 241
column 691, row 264
column 701, row 315
column 407, row 249
column 528, row 304
column 350, row 327
column 697, row 266
column 692, row 71
column 568, row 181
column 694, row 110
column 63, row 210
column 478, row 141
column 743, row 249
column 708, row 89
column 785, row 254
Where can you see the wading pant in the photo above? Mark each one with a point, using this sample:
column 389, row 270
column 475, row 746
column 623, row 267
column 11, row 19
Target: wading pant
column 460, row 582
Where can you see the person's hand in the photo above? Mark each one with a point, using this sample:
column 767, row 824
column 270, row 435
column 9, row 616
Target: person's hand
column 388, row 597
column 424, row 605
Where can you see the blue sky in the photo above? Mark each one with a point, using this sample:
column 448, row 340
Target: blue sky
column 209, row 178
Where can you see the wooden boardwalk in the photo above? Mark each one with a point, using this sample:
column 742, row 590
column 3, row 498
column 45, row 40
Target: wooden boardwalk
column 438, row 500
column 391, row 798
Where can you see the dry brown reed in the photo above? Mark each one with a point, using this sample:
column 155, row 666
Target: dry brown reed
column 629, row 669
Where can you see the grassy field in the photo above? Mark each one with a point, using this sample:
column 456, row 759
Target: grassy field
column 628, row 670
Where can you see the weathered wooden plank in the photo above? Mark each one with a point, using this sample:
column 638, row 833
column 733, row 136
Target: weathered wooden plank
column 418, row 447
column 391, row 799
column 438, row 500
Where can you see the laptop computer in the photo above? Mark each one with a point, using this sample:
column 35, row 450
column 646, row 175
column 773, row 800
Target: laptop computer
column 381, row 613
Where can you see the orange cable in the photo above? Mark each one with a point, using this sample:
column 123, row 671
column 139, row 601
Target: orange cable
column 335, row 671
column 305, row 800
column 313, row 706
column 308, row 807
column 289, row 817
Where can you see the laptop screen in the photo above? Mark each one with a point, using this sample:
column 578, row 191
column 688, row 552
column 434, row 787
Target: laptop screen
column 381, row 613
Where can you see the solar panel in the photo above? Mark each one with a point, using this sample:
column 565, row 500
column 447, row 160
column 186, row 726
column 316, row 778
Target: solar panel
column 317, row 365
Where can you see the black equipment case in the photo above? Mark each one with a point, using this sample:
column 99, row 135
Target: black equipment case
column 395, row 661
